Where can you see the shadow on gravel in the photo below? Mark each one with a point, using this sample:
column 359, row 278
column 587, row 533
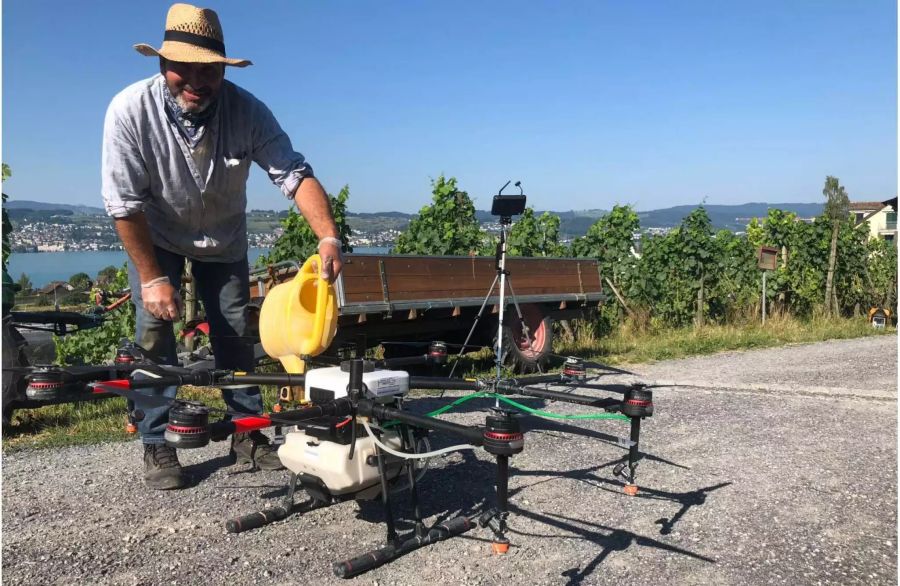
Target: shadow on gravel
column 536, row 424
column 693, row 498
column 197, row 473
column 458, row 488
column 611, row 541
column 687, row 500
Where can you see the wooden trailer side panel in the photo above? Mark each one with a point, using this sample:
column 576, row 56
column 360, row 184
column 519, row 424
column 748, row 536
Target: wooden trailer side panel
column 388, row 279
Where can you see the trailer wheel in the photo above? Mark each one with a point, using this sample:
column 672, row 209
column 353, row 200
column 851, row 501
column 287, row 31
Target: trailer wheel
column 14, row 382
column 526, row 353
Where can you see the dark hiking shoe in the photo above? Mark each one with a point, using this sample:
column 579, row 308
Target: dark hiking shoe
column 162, row 471
column 254, row 447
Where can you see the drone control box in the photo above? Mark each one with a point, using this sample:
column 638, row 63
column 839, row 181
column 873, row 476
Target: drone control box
column 327, row 384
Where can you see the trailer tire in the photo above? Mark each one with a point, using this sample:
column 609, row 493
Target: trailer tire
column 526, row 355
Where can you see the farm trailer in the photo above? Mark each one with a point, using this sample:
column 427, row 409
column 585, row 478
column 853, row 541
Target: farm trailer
column 408, row 299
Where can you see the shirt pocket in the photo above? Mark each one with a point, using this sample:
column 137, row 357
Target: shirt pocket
column 235, row 169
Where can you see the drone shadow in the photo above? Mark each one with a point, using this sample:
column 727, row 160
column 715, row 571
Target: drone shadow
column 612, row 541
column 537, row 424
column 687, row 500
column 469, row 493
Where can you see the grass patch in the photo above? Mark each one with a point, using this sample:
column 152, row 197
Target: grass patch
column 634, row 345
column 104, row 421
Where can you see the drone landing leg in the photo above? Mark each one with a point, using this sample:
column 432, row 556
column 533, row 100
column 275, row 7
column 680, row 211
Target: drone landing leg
column 409, row 446
column 395, row 547
column 500, row 544
column 258, row 519
column 386, row 498
column 503, row 438
column 631, row 488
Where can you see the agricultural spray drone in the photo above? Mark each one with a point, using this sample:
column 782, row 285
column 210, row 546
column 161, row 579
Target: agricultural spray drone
column 353, row 436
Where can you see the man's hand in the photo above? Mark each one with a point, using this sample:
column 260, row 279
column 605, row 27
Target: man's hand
column 330, row 253
column 312, row 201
column 161, row 299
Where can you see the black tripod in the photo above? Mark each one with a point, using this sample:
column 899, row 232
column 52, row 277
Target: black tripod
column 504, row 206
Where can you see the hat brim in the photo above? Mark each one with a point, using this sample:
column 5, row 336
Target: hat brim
column 187, row 53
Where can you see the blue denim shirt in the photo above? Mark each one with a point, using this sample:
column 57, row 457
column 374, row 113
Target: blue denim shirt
column 147, row 166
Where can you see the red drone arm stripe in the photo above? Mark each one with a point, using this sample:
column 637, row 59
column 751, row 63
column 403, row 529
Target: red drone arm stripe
column 245, row 424
column 121, row 383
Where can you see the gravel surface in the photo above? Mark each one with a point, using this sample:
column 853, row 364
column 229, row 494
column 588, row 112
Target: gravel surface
column 780, row 466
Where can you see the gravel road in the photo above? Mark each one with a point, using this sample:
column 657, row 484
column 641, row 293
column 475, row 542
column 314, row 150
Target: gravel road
column 775, row 467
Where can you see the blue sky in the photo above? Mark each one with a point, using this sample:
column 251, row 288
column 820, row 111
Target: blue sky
column 589, row 104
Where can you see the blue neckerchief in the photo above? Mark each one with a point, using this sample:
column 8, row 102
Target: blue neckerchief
column 191, row 125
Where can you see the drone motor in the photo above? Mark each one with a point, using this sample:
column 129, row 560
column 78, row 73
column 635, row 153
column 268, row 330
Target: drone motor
column 574, row 369
column 188, row 425
column 44, row 384
column 638, row 402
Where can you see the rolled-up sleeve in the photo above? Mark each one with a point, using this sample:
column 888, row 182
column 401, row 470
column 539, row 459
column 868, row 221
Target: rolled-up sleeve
column 125, row 182
column 272, row 150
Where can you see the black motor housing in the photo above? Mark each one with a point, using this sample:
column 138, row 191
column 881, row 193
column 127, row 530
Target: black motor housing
column 638, row 402
column 45, row 384
column 503, row 436
column 188, row 426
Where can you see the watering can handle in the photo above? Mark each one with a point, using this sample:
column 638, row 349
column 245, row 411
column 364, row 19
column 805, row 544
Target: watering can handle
column 313, row 265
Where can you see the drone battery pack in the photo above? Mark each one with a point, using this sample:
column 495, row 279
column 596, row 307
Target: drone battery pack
column 321, row 382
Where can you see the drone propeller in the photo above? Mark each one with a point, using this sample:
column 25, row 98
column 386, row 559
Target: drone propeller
column 26, row 369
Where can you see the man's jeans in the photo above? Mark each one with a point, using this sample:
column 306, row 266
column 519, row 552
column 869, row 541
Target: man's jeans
column 225, row 292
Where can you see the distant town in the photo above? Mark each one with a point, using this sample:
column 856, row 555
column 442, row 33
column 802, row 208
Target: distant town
column 89, row 232
column 44, row 227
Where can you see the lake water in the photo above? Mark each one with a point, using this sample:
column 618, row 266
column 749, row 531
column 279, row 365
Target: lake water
column 44, row 267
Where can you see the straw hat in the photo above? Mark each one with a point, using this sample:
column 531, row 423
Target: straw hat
column 193, row 35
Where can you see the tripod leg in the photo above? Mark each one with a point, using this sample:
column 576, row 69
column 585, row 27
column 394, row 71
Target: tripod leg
column 526, row 331
column 474, row 325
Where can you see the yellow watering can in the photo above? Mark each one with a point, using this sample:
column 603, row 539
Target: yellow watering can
column 299, row 317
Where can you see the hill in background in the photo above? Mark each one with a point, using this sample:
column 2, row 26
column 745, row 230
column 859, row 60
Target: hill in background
column 24, row 205
column 572, row 223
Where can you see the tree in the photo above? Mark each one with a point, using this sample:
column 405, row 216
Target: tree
column 80, row 281
column 530, row 236
column 298, row 241
column 106, row 275
column 837, row 207
column 610, row 240
column 25, row 284
column 447, row 226
column 97, row 345
column 697, row 250
column 8, row 286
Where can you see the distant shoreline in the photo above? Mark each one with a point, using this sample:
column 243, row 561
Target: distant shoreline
column 43, row 267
